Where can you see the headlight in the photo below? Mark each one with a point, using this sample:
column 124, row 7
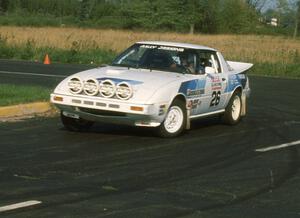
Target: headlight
column 123, row 91
column 107, row 88
column 75, row 85
column 91, row 87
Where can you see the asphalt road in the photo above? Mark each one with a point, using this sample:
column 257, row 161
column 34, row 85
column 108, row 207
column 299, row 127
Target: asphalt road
column 213, row 170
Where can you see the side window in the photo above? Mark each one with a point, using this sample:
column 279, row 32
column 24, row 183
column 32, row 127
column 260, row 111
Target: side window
column 209, row 59
column 216, row 62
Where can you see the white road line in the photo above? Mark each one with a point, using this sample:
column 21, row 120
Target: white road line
column 32, row 74
column 278, row 146
column 19, row 205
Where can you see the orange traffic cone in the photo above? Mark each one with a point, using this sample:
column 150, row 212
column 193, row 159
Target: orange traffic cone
column 47, row 60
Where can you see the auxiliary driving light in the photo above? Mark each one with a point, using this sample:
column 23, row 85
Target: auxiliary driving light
column 107, row 88
column 123, row 91
column 91, row 87
column 75, row 85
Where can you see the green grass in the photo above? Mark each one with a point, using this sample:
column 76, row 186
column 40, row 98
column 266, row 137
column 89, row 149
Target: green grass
column 16, row 94
column 276, row 70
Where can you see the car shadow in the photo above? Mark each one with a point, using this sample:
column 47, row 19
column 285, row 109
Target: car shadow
column 123, row 130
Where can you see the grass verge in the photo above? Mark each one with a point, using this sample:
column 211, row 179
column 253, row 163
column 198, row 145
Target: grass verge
column 15, row 94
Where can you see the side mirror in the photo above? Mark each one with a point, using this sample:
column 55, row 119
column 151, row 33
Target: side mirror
column 210, row 70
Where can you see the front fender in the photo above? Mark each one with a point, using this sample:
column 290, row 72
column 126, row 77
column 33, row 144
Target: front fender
column 165, row 95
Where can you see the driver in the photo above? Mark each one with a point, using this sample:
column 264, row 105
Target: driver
column 184, row 61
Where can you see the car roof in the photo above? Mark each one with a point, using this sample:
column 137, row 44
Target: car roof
column 176, row 44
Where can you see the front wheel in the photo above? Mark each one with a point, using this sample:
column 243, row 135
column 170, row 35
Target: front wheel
column 75, row 125
column 233, row 110
column 175, row 121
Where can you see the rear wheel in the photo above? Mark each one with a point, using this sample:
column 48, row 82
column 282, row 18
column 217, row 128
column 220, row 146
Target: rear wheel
column 76, row 125
column 233, row 110
column 175, row 121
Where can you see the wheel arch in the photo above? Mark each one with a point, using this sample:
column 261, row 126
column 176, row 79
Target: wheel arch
column 180, row 97
column 237, row 89
column 179, row 100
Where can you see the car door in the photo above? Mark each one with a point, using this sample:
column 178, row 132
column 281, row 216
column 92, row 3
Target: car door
column 216, row 83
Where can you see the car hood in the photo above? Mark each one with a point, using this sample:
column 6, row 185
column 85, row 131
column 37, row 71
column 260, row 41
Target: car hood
column 144, row 82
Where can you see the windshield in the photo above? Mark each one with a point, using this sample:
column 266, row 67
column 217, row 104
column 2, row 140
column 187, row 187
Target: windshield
column 159, row 57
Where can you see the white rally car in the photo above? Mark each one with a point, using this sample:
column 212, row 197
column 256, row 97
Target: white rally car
column 156, row 84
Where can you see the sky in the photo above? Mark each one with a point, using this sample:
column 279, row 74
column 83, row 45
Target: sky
column 272, row 4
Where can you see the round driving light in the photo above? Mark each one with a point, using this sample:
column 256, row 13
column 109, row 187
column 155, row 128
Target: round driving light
column 124, row 91
column 107, row 88
column 75, row 85
column 91, row 87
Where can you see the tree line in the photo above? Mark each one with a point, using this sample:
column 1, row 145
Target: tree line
column 206, row 16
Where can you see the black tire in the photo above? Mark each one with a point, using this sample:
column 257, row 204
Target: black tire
column 178, row 107
column 75, row 125
column 232, row 114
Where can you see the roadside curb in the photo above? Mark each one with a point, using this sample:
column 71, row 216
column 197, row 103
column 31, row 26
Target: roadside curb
column 22, row 110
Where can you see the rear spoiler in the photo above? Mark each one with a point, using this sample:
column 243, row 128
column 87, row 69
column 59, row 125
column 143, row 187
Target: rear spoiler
column 239, row 67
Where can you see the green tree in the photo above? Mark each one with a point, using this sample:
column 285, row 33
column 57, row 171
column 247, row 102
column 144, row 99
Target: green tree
column 138, row 14
column 4, row 5
column 83, row 10
column 237, row 17
column 193, row 14
column 210, row 10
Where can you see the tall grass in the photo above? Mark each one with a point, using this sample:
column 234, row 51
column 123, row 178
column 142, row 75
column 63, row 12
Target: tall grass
column 30, row 51
column 273, row 55
column 243, row 47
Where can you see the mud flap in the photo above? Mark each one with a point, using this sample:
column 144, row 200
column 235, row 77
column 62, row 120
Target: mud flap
column 188, row 120
column 244, row 105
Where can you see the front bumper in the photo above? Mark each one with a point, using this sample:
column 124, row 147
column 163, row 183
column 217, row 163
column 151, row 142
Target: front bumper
column 108, row 111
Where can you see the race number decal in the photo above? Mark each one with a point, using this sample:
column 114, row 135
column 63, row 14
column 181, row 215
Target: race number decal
column 216, row 95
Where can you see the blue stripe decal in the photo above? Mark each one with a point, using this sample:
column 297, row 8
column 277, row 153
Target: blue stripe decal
column 236, row 80
column 193, row 87
column 116, row 80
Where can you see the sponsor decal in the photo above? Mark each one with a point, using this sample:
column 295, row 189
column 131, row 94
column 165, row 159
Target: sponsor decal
column 171, row 48
column 197, row 92
column 149, row 46
column 167, row 48
column 216, row 83
column 195, row 103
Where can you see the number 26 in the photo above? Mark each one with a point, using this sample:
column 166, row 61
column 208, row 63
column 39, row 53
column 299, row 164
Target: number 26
column 215, row 98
